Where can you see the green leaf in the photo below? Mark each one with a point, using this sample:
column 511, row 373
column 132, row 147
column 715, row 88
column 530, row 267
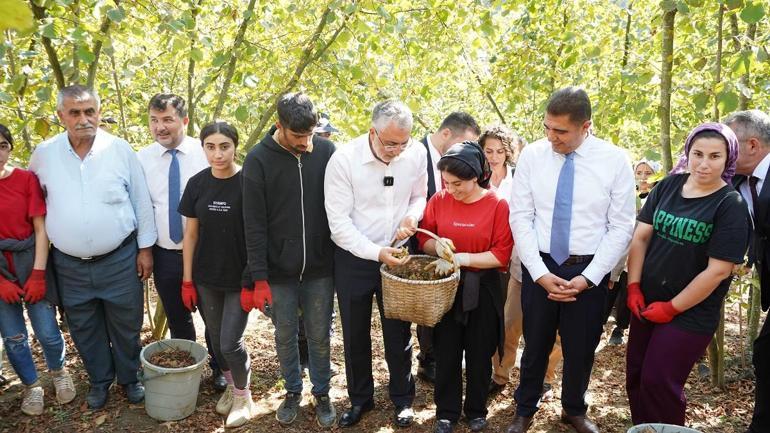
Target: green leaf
column 733, row 4
column 49, row 31
column 700, row 100
column 220, row 59
column 668, row 5
column 752, row 13
column 742, row 64
column 196, row 54
column 682, row 7
column 42, row 127
column 116, row 15
column 727, row 101
column 700, row 63
column 16, row 15
column 85, row 55
column 242, row 113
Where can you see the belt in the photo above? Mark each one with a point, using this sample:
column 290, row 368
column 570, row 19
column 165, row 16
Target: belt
column 129, row 239
column 573, row 260
column 169, row 250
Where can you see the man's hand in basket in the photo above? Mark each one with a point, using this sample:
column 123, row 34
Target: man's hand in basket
column 443, row 267
column 393, row 256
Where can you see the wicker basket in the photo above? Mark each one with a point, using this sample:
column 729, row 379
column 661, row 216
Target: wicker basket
column 418, row 301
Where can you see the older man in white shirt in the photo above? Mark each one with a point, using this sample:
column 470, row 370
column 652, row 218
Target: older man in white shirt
column 572, row 216
column 375, row 190
column 99, row 212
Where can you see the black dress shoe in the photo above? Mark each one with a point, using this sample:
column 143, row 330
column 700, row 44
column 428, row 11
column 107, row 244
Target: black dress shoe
column 353, row 415
column 403, row 416
column 97, row 396
column 477, row 424
column 218, row 381
column 427, row 372
column 520, row 424
column 581, row 423
column 443, row 426
column 134, row 392
column 495, row 388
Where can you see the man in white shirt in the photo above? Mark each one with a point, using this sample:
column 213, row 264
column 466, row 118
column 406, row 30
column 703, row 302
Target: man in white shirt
column 457, row 127
column 753, row 166
column 572, row 215
column 168, row 164
column 374, row 189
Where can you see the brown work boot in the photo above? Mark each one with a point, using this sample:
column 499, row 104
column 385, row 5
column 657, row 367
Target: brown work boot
column 581, row 423
column 520, row 424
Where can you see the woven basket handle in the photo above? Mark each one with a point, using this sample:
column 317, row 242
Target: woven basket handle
column 429, row 233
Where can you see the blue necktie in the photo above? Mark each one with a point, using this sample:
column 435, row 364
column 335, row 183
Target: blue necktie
column 174, row 217
column 562, row 211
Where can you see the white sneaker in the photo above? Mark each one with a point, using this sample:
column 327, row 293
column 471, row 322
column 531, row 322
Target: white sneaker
column 243, row 411
column 65, row 388
column 225, row 402
column 32, row 402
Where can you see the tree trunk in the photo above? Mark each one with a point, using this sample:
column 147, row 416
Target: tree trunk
column 664, row 111
column 119, row 92
column 751, row 33
column 104, row 31
column 20, row 94
column 308, row 56
column 53, row 58
column 718, row 65
column 223, row 94
column 191, row 72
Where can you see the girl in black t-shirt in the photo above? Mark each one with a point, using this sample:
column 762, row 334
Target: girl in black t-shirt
column 214, row 252
column 691, row 230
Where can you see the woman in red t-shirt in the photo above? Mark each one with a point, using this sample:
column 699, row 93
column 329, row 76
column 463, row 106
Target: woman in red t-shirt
column 24, row 247
column 475, row 219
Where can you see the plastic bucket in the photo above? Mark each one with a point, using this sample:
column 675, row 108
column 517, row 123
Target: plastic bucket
column 171, row 394
column 661, row 428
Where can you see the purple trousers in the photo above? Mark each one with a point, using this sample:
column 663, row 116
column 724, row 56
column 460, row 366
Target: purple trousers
column 658, row 360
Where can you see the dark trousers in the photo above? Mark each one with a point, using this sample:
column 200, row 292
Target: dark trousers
column 226, row 321
column 760, row 422
column 616, row 298
column 658, row 360
column 425, row 338
column 356, row 281
column 104, row 305
column 579, row 324
column 167, row 275
column 478, row 339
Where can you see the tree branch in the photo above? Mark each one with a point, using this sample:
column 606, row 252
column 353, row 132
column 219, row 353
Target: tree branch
column 53, row 58
column 104, row 30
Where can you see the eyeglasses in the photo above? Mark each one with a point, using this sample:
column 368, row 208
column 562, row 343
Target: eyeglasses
column 391, row 145
column 5, row 146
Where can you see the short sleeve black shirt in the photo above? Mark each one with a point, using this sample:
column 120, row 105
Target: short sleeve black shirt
column 220, row 254
column 686, row 233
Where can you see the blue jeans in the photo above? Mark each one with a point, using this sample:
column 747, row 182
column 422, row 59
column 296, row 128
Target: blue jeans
column 14, row 331
column 315, row 297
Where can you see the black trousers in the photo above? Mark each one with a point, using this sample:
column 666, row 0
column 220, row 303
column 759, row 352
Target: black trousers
column 760, row 422
column 616, row 298
column 580, row 325
column 478, row 339
column 167, row 274
column 357, row 281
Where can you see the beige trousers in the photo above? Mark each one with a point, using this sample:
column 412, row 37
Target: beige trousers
column 501, row 372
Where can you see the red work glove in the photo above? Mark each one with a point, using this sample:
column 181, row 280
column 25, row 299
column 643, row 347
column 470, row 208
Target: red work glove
column 10, row 293
column 247, row 299
column 189, row 295
column 635, row 301
column 660, row 312
column 262, row 295
column 34, row 288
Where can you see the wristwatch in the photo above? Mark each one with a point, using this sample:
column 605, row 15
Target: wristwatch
column 590, row 283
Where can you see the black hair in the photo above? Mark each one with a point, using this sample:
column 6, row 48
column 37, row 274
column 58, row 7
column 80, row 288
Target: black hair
column 459, row 122
column 463, row 170
column 6, row 133
column 221, row 127
column 572, row 101
column 161, row 101
column 296, row 112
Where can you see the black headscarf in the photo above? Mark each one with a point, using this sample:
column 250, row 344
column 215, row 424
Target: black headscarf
column 470, row 153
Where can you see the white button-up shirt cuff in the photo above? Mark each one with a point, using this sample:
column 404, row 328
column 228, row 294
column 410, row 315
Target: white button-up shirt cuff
column 537, row 270
column 593, row 273
column 372, row 252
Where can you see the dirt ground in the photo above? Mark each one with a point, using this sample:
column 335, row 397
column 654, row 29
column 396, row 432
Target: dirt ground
column 709, row 410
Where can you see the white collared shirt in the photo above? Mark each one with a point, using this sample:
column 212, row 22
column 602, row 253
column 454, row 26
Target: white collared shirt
column 760, row 171
column 93, row 203
column 364, row 213
column 434, row 157
column 504, row 191
column 603, row 205
column 155, row 161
